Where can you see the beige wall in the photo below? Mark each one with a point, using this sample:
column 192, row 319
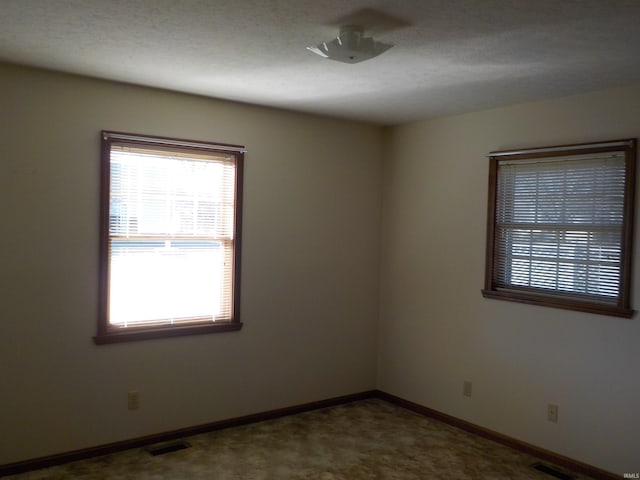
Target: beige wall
column 436, row 329
column 309, row 269
column 311, row 262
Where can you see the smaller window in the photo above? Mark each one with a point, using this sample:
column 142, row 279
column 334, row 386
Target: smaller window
column 170, row 237
column 559, row 228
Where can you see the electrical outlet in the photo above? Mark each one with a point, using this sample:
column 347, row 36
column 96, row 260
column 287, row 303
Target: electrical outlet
column 552, row 413
column 466, row 388
column 133, row 400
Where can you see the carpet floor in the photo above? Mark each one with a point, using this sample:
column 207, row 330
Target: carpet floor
column 369, row 439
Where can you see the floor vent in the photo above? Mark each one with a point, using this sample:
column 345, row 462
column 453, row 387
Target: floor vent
column 552, row 471
column 168, row 447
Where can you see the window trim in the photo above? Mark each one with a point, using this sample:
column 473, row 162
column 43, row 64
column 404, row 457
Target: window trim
column 107, row 334
column 622, row 308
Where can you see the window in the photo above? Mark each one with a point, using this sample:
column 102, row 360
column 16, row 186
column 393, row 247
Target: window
column 170, row 237
column 559, row 229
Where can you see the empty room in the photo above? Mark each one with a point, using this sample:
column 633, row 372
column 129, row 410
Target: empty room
column 330, row 240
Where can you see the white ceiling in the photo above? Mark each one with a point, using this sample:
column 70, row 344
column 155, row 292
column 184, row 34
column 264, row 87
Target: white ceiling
column 450, row 56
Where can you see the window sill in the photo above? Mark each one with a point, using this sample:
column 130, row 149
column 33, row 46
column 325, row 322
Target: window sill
column 138, row 334
column 565, row 304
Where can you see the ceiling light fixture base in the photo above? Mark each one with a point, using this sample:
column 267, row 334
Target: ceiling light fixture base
column 350, row 46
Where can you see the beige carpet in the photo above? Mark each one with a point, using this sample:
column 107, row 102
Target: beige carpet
column 370, row 439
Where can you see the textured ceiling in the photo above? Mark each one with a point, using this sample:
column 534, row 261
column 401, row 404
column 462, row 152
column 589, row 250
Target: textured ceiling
column 450, row 56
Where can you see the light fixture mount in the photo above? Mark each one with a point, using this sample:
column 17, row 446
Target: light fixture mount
column 350, row 46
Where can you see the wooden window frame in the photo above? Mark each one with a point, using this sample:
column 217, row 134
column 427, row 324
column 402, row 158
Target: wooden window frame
column 533, row 296
column 107, row 333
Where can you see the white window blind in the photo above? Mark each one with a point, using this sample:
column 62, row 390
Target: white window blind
column 171, row 235
column 559, row 225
